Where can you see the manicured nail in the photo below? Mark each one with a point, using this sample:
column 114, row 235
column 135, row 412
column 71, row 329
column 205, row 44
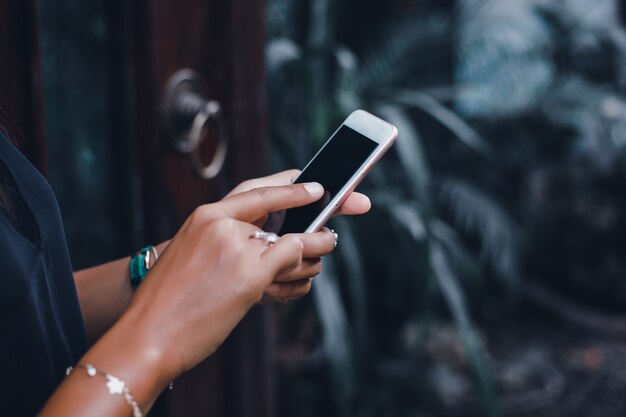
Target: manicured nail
column 314, row 188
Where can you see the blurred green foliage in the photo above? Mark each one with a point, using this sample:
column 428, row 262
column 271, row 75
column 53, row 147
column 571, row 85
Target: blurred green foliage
column 545, row 81
column 508, row 164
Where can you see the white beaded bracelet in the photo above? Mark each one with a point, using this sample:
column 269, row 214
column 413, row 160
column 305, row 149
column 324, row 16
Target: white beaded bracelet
column 115, row 385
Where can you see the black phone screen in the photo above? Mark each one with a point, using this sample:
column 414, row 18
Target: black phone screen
column 332, row 167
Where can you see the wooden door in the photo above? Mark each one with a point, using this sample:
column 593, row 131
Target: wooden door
column 152, row 189
column 224, row 42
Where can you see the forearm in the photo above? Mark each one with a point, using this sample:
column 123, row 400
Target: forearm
column 211, row 274
column 126, row 352
column 104, row 292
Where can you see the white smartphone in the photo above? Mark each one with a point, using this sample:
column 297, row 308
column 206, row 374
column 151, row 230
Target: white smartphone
column 339, row 166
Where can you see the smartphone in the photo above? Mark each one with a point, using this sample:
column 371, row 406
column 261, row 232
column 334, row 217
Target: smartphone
column 339, row 166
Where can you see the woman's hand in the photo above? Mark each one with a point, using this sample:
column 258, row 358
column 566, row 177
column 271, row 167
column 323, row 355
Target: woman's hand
column 205, row 281
column 212, row 272
column 297, row 283
column 100, row 313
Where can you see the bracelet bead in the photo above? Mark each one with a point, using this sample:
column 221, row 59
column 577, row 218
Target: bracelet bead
column 114, row 385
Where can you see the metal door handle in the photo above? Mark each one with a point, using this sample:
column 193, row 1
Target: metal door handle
column 188, row 114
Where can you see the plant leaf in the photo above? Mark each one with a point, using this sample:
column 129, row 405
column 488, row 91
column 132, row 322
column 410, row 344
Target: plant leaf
column 461, row 256
column 463, row 131
column 409, row 150
column 336, row 336
column 391, row 60
column 348, row 97
column 450, row 288
column 280, row 52
column 409, row 217
column 475, row 212
column 355, row 275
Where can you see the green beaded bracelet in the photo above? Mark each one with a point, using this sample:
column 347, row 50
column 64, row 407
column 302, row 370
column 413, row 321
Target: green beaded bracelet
column 140, row 264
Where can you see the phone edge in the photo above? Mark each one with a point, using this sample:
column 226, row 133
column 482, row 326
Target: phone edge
column 384, row 144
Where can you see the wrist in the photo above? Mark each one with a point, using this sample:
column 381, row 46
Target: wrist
column 142, row 262
column 149, row 340
column 132, row 352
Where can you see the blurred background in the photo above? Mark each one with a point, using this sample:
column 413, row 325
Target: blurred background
column 489, row 279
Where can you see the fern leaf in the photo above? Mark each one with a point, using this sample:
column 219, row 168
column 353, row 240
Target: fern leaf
column 478, row 214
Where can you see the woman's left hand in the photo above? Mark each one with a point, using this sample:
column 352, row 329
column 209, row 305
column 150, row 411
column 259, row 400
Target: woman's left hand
column 297, row 283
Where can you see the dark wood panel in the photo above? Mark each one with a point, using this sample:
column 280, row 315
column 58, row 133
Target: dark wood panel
column 224, row 42
column 21, row 108
column 242, row 46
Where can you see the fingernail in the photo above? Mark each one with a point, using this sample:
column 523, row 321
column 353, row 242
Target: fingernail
column 314, row 188
column 273, row 289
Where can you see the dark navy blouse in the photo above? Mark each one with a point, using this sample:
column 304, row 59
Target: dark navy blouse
column 41, row 327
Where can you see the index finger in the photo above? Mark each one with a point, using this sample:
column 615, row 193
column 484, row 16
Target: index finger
column 253, row 205
column 280, row 178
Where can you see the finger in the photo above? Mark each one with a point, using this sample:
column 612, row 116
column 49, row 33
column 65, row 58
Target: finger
column 308, row 269
column 283, row 256
column 261, row 222
column 280, row 178
column 356, row 203
column 253, row 205
column 287, row 291
column 317, row 244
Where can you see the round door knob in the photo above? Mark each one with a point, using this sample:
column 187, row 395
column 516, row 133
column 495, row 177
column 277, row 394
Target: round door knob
column 189, row 115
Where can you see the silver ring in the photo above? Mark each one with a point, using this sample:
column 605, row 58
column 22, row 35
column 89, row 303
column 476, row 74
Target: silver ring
column 269, row 237
column 336, row 236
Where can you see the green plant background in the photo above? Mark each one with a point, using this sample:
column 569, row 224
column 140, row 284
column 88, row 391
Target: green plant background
column 505, row 185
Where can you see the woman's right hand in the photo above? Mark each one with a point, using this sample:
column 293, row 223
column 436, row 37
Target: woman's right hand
column 205, row 281
column 213, row 272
